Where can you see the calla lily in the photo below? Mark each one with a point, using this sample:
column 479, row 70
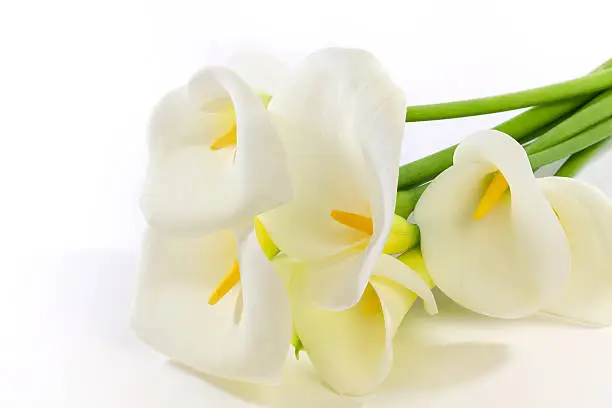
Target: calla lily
column 352, row 350
column 215, row 158
column 245, row 336
column 586, row 215
column 341, row 120
column 490, row 239
column 207, row 297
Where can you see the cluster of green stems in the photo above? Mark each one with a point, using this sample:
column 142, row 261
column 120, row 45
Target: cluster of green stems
column 570, row 120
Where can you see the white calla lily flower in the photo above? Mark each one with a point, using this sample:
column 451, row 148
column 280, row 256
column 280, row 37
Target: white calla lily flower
column 245, row 336
column 586, row 215
column 490, row 239
column 215, row 158
column 352, row 350
column 341, row 120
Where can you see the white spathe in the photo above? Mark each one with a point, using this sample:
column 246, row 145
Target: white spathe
column 192, row 189
column 244, row 337
column 352, row 349
column 341, row 120
column 513, row 261
column 586, row 215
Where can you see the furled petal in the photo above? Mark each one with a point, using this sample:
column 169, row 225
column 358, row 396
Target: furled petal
column 586, row 215
column 245, row 336
column 193, row 189
column 390, row 268
column 262, row 72
column 508, row 264
column 341, row 119
column 352, row 349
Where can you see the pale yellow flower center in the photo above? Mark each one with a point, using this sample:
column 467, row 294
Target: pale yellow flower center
column 355, row 221
column 227, row 140
column 492, row 195
column 231, row 279
column 402, row 236
column 232, row 276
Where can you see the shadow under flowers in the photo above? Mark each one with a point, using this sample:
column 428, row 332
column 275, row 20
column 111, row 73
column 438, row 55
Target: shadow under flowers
column 452, row 313
column 300, row 388
column 420, row 366
column 426, row 360
column 428, row 357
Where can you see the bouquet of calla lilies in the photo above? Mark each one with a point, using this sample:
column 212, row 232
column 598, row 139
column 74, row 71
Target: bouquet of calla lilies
column 279, row 216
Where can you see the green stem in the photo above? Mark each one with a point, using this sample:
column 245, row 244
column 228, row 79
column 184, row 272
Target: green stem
column 425, row 169
column 592, row 113
column 525, row 141
column 582, row 148
column 531, row 122
column 538, row 96
column 577, row 161
column 580, row 142
column 407, row 199
column 519, row 127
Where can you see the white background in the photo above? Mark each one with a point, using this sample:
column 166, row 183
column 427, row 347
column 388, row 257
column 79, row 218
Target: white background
column 77, row 80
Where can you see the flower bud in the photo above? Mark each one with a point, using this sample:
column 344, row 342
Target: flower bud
column 403, row 236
